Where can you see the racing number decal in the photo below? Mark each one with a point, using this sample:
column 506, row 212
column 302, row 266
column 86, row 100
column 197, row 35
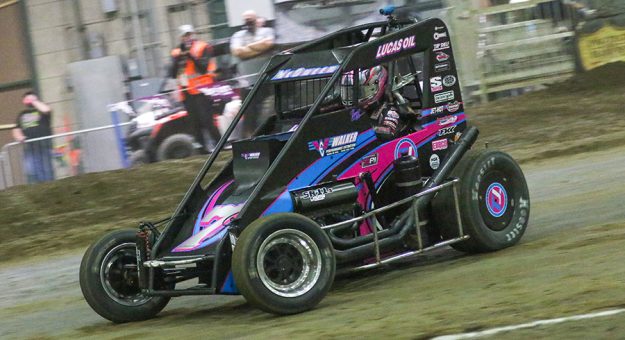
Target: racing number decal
column 496, row 199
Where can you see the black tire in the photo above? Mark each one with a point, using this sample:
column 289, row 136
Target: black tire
column 109, row 288
column 138, row 158
column 493, row 199
column 176, row 146
column 283, row 263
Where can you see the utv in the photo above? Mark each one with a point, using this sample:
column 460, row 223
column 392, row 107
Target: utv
column 162, row 129
column 316, row 190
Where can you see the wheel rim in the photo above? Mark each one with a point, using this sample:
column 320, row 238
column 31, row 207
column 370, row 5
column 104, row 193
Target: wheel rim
column 289, row 263
column 496, row 200
column 119, row 276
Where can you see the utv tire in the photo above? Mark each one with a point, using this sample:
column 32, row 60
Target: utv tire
column 176, row 146
column 109, row 282
column 138, row 158
column 283, row 263
column 493, row 199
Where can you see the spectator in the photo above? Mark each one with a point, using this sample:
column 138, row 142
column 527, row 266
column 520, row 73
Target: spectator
column 34, row 122
column 250, row 46
column 253, row 40
column 193, row 67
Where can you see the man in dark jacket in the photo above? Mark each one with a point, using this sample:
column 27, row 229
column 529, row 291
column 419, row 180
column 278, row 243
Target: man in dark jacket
column 32, row 123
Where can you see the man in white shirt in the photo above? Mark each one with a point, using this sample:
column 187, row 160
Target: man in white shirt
column 252, row 46
column 252, row 40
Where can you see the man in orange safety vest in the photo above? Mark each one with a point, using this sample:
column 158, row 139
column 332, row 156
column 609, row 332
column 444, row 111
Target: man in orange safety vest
column 194, row 68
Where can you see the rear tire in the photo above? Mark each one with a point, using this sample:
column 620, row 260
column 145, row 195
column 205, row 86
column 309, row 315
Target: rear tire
column 493, row 199
column 176, row 146
column 110, row 284
column 283, row 263
column 137, row 158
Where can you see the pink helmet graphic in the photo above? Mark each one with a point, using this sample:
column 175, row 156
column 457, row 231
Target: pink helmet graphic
column 372, row 83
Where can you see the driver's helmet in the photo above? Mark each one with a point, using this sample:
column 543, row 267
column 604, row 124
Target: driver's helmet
column 372, row 83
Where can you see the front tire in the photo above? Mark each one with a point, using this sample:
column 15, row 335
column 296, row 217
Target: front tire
column 109, row 280
column 283, row 263
column 493, row 199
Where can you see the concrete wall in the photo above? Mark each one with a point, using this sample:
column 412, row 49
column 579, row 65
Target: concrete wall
column 57, row 41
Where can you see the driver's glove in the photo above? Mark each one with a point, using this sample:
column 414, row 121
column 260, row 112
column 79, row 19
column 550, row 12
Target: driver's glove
column 387, row 128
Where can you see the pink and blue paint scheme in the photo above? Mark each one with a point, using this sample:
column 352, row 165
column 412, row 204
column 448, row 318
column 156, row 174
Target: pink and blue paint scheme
column 211, row 224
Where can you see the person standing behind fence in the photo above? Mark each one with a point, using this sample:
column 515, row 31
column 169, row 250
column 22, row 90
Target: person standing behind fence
column 34, row 122
column 253, row 39
column 251, row 45
column 194, row 68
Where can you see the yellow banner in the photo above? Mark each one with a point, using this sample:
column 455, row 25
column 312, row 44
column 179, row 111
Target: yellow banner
column 607, row 45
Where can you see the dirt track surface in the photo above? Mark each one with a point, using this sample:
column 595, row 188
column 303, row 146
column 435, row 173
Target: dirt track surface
column 569, row 262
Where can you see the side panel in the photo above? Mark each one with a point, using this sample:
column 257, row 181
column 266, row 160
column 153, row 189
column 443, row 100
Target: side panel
column 379, row 162
column 325, row 143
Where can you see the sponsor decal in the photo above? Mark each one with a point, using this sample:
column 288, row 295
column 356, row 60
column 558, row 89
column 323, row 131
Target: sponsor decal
column 441, row 67
column 405, row 147
column 447, row 130
column 316, row 195
column 369, row 160
column 250, row 155
column 453, row 106
column 437, row 110
column 333, row 145
column 224, row 90
column 396, row 46
column 356, row 114
column 442, row 56
column 441, row 46
column 438, row 28
column 440, row 144
column 438, row 36
column 289, row 73
column 435, row 161
column 449, row 81
column 444, row 96
column 447, row 120
column 436, row 84
column 496, row 199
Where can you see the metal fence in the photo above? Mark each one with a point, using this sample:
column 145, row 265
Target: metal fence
column 524, row 45
column 52, row 157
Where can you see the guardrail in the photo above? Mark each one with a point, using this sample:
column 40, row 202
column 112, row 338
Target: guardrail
column 46, row 158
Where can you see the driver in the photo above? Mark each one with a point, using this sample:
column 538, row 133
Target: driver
column 372, row 88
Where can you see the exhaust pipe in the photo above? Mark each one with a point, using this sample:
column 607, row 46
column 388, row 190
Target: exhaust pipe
column 401, row 225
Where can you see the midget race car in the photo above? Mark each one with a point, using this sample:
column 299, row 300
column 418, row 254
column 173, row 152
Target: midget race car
column 317, row 190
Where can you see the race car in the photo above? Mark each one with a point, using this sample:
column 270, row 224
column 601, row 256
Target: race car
column 365, row 159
